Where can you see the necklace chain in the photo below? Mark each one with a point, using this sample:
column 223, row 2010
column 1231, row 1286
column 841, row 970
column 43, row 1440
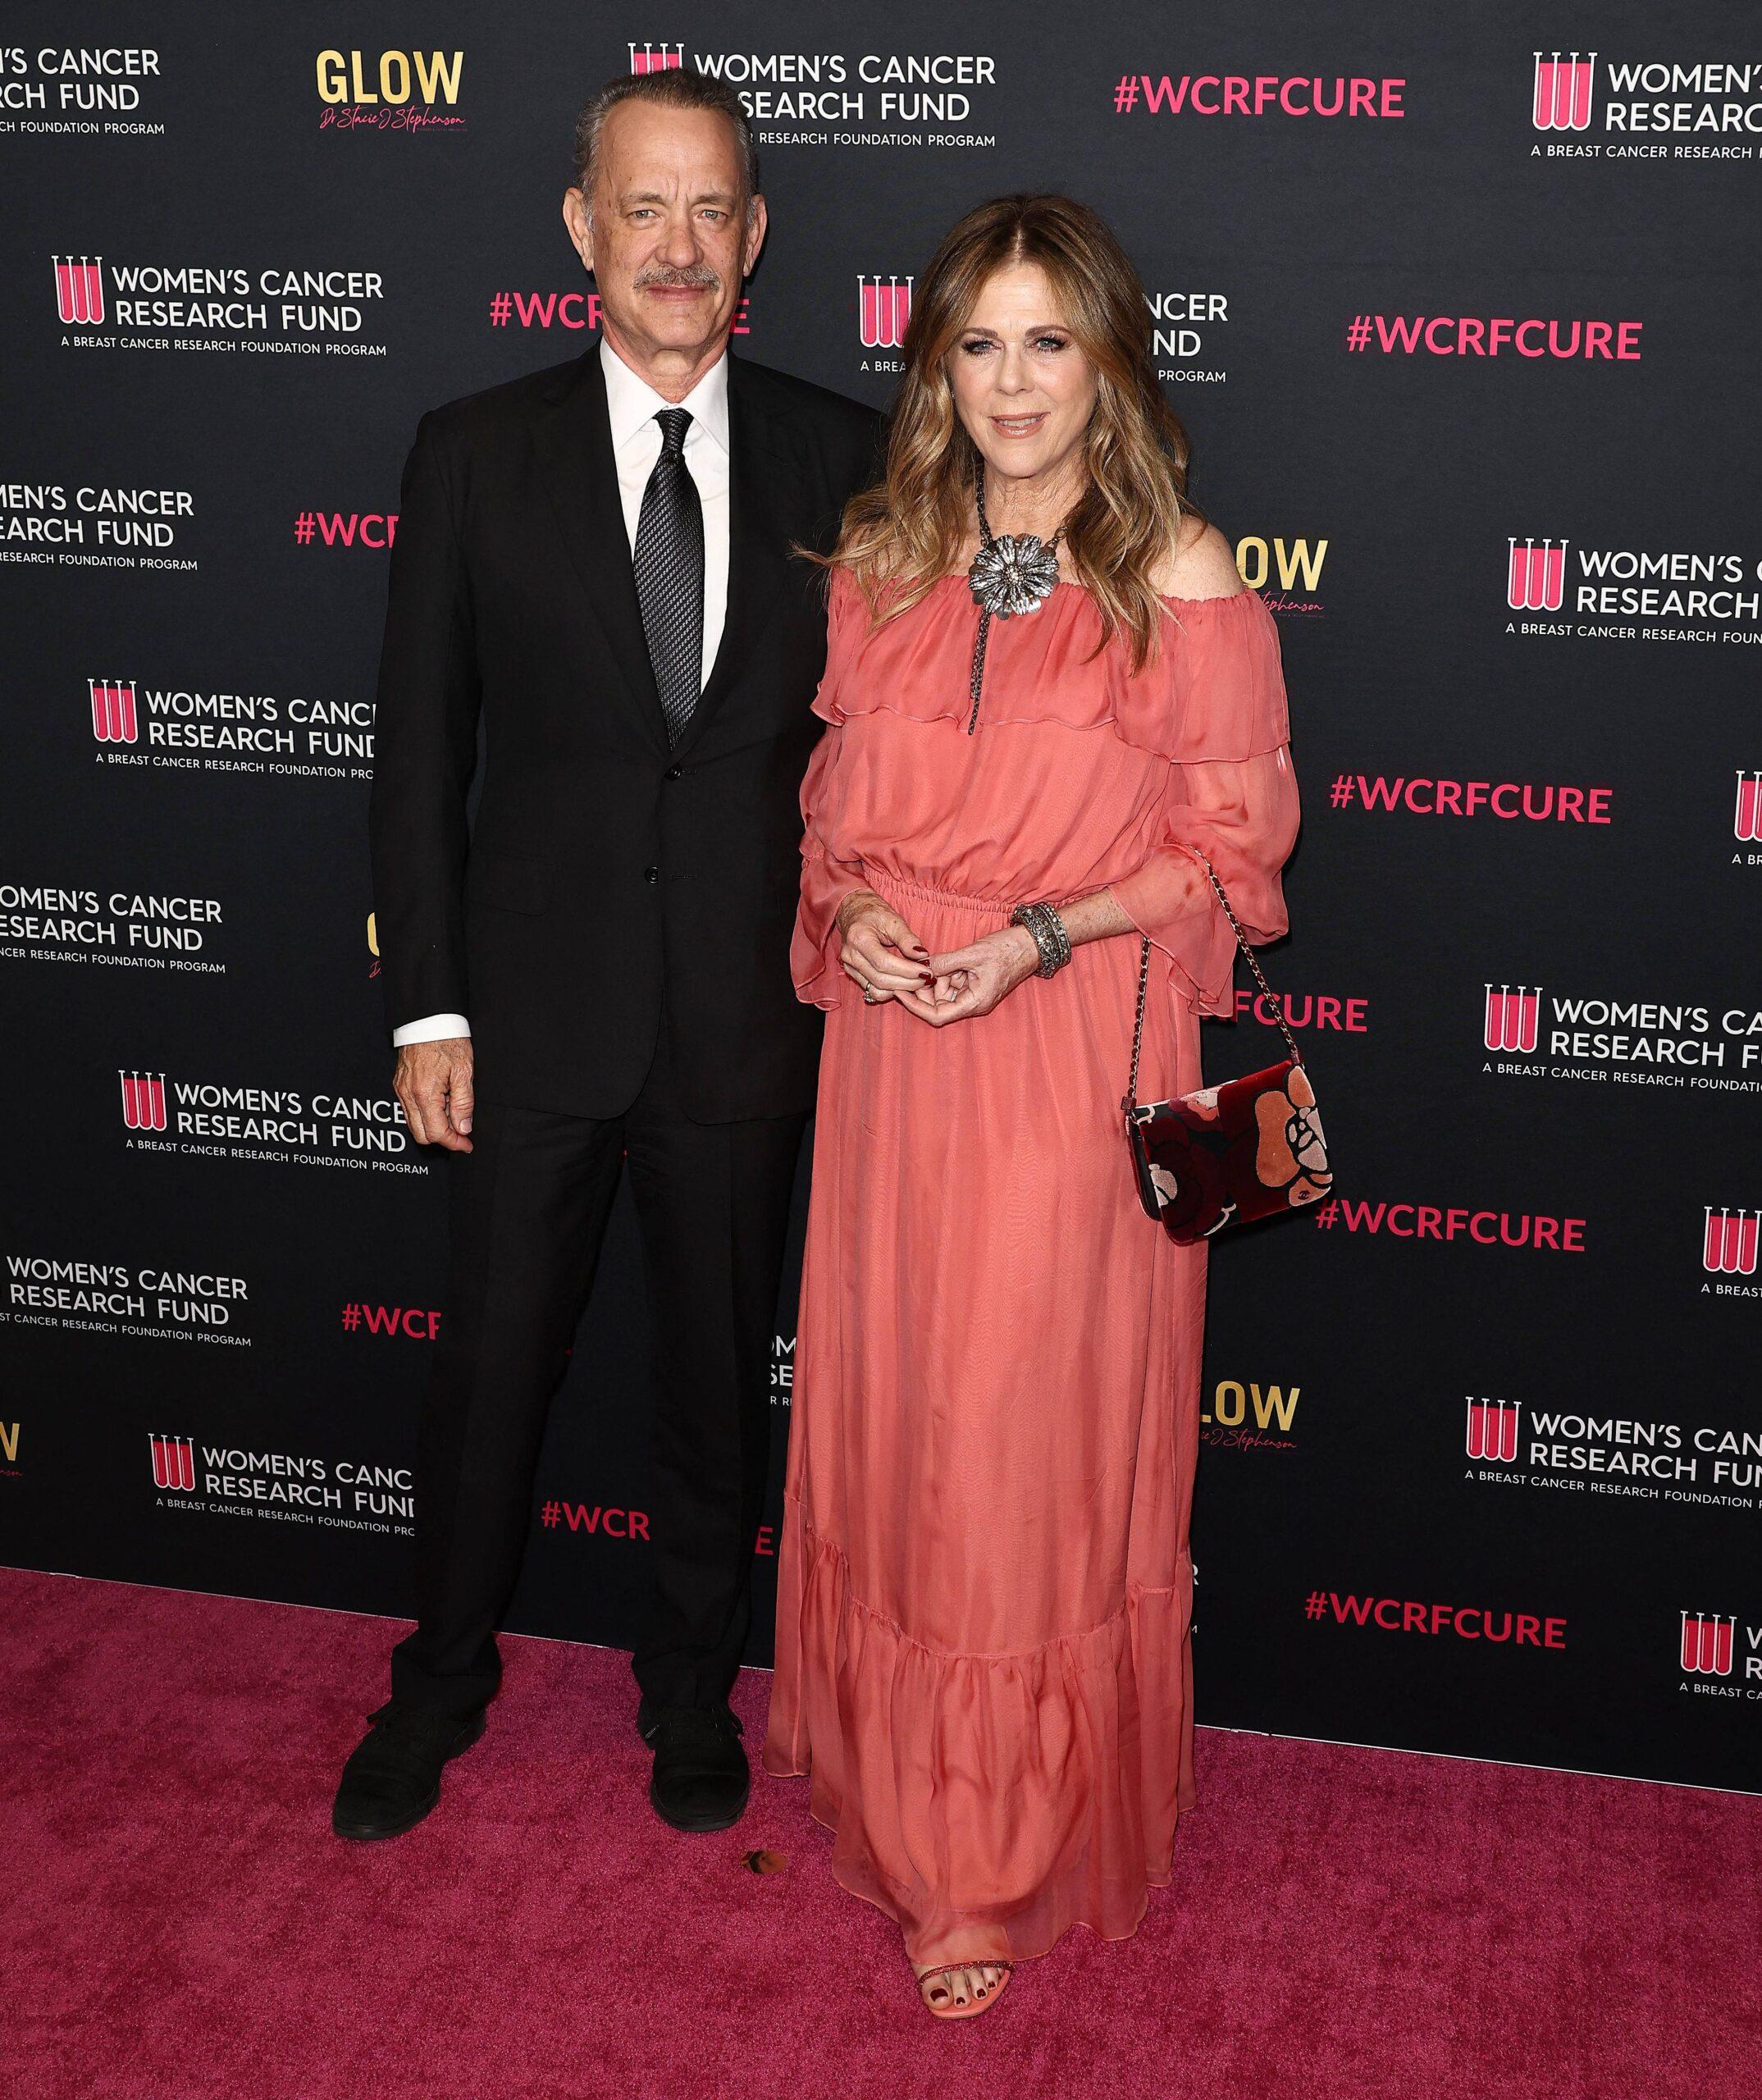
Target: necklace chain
column 987, row 539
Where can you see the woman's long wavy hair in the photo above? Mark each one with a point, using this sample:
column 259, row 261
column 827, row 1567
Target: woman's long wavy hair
column 899, row 537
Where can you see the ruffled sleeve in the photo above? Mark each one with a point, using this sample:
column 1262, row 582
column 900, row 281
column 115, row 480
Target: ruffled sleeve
column 1231, row 793
column 826, row 880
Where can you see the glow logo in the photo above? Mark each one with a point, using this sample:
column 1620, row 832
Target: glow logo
column 1535, row 578
column 404, row 77
column 1512, row 1017
column 1560, row 100
column 79, row 289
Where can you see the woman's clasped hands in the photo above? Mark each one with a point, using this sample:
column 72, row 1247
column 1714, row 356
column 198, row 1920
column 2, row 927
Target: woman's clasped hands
column 879, row 952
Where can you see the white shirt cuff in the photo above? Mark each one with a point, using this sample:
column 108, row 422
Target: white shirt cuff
column 432, row 1029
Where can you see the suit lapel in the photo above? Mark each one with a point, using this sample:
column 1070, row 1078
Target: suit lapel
column 573, row 439
column 756, row 546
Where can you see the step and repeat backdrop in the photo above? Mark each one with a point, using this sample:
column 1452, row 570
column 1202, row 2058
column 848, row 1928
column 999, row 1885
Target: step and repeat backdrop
column 1461, row 311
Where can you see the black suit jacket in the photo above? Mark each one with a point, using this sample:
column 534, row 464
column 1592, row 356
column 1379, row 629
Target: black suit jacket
column 604, row 874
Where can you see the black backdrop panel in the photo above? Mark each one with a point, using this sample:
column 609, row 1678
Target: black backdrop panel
column 1461, row 313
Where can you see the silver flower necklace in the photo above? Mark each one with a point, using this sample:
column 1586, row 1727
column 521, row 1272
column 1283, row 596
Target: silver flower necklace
column 1010, row 575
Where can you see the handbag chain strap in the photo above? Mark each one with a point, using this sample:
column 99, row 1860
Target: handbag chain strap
column 1143, row 981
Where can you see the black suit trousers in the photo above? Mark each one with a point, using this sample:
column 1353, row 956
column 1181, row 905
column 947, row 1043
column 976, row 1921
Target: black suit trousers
column 528, row 1211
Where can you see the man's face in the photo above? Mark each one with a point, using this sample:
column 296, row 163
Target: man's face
column 670, row 237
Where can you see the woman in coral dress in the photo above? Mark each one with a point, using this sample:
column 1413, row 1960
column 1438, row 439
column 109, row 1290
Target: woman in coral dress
column 983, row 1655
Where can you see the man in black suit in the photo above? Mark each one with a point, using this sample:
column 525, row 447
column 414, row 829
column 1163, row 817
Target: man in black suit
column 593, row 564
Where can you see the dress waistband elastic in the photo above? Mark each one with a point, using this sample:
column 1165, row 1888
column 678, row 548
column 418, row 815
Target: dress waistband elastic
column 883, row 879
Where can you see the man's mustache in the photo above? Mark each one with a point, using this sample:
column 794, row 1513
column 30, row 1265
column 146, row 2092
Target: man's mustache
column 698, row 275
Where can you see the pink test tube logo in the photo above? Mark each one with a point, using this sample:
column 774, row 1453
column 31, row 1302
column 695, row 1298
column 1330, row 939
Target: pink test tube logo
column 1535, row 578
column 1707, row 1642
column 79, row 289
column 1746, row 819
column 113, row 720
column 174, row 1462
column 142, row 1100
column 1729, row 1246
column 655, row 57
column 1492, row 1431
column 883, row 311
column 1514, row 1016
column 1562, row 100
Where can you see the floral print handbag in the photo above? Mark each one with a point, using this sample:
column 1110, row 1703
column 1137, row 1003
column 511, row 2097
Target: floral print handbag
column 1224, row 1155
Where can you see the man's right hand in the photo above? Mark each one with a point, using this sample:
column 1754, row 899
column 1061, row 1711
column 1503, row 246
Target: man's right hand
column 433, row 1082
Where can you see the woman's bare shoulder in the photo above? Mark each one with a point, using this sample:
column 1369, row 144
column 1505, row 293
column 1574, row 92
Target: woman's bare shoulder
column 1201, row 564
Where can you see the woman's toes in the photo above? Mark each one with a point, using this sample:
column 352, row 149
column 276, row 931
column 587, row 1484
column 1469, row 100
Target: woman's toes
column 972, row 1982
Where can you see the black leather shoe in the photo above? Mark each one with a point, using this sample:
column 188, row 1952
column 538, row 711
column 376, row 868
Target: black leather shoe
column 701, row 1779
column 392, row 1779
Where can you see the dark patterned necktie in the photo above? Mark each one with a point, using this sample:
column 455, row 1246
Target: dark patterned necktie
column 669, row 570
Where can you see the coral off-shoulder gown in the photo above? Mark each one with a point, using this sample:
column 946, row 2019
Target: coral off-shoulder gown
column 983, row 1650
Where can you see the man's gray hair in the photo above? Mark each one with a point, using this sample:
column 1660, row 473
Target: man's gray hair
column 678, row 87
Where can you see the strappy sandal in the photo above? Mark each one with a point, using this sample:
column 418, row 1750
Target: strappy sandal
column 975, row 2006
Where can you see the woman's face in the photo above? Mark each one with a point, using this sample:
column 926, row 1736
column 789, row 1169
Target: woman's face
column 1022, row 385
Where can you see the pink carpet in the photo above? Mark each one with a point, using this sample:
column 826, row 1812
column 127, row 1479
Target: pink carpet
column 179, row 1921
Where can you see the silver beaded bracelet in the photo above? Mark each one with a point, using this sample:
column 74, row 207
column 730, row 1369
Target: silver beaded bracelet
column 1047, row 929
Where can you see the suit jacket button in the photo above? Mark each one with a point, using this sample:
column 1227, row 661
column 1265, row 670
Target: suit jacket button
column 652, row 874
column 676, row 772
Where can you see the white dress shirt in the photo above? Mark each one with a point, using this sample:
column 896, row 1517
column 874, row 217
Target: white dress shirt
column 632, row 405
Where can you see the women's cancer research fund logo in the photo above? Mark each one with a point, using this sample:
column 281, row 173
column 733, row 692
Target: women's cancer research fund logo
column 1560, row 94
column 79, row 290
